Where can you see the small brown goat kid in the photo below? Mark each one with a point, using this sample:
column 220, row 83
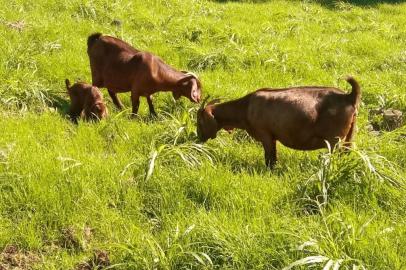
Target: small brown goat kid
column 86, row 100
column 301, row 118
column 119, row 67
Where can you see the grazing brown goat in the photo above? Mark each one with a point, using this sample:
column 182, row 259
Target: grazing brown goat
column 86, row 100
column 301, row 118
column 119, row 67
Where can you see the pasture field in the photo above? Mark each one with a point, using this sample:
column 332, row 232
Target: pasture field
column 146, row 192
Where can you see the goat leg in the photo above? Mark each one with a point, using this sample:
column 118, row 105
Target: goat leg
column 135, row 100
column 348, row 138
column 115, row 99
column 151, row 106
column 270, row 152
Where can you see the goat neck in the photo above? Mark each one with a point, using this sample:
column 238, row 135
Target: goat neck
column 231, row 114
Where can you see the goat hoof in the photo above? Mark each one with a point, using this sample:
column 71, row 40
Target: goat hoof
column 271, row 165
column 134, row 115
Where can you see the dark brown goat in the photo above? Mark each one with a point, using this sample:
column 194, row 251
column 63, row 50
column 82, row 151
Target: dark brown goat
column 119, row 67
column 301, row 118
column 86, row 100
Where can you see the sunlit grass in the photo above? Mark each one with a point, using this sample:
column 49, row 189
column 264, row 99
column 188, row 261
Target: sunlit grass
column 147, row 192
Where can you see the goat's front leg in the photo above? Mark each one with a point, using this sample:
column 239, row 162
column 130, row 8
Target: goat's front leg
column 270, row 152
column 151, row 106
column 135, row 100
column 115, row 99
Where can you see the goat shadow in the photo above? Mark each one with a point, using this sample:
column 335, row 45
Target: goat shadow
column 331, row 4
column 60, row 104
column 241, row 165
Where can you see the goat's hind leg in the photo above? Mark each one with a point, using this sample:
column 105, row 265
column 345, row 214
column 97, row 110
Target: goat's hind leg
column 270, row 152
column 347, row 144
column 115, row 99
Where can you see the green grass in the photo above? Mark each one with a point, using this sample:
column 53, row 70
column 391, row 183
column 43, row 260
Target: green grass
column 147, row 193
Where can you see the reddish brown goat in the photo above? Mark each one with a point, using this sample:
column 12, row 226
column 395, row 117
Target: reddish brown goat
column 86, row 100
column 301, row 118
column 119, row 67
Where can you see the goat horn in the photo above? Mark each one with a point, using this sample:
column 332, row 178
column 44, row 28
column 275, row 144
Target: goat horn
column 192, row 74
column 188, row 73
column 204, row 102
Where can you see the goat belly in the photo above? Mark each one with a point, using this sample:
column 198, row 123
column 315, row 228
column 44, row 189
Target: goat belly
column 312, row 143
column 295, row 129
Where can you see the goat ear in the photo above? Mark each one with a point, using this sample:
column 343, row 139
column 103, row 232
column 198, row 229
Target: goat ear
column 67, row 83
column 211, row 123
column 195, row 94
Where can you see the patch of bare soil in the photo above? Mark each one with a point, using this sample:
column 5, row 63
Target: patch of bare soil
column 385, row 119
column 11, row 258
column 18, row 25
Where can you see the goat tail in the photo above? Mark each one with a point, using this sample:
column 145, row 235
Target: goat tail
column 67, row 83
column 92, row 38
column 355, row 94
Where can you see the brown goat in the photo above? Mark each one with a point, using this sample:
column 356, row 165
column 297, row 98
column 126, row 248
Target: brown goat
column 301, row 118
column 119, row 67
column 86, row 100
